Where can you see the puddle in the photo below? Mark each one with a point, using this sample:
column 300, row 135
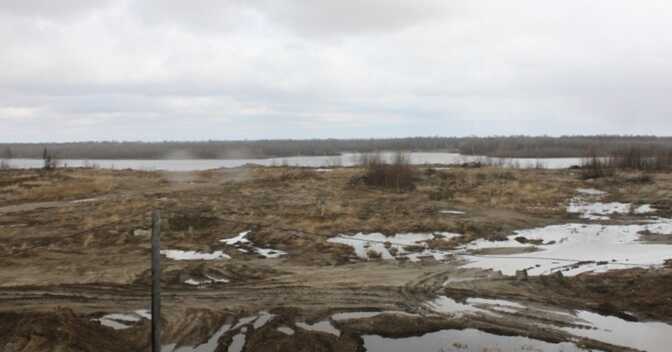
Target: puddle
column 452, row 212
column 286, row 330
column 242, row 241
column 209, row 346
column 194, row 282
column 648, row 336
column 582, row 204
column 462, row 340
column 478, row 306
column 122, row 321
column 354, row 315
column 245, row 321
column 208, row 281
column 446, row 305
column 494, row 302
column 269, row 253
column 644, row 209
column 365, row 315
column 144, row 313
column 238, row 343
column 454, row 280
column 264, row 317
column 86, row 200
column 114, row 324
column 394, row 247
column 123, row 317
column 216, row 280
column 590, row 192
column 322, row 326
column 598, row 210
column 496, row 305
column 194, row 255
column 576, row 248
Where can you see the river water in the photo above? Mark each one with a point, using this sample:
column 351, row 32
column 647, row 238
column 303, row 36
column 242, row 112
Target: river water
column 346, row 159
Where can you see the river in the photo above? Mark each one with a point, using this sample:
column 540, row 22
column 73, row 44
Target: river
column 346, row 159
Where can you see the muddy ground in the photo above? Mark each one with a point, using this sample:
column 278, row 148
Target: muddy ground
column 75, row 247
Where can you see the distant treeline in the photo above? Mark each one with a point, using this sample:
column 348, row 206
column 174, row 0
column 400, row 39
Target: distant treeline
column 222, row 149
column 512, row 146
column 560, row 147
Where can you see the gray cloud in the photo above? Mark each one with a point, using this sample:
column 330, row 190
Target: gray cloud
column 304, row 17
column 266, row 69
column 46, row 9
column 314, row 18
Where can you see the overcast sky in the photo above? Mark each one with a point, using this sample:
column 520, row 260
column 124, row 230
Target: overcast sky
column 250, row 69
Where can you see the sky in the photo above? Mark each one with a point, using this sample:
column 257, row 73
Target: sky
column 75, row 70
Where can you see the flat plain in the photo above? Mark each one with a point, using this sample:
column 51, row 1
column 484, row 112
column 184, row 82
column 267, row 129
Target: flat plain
column 300, row 259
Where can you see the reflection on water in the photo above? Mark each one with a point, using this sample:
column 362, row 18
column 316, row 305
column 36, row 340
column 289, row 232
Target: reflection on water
column 347, row 159
column 462, row 340
column 649, row 336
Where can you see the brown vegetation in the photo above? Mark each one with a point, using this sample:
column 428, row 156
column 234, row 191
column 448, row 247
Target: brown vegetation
column 645, row 159
column 398, row 175
column 92, row 257
column 595, row 167
column 630, row 158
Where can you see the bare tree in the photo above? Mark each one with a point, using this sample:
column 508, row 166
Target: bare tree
column 49, row 159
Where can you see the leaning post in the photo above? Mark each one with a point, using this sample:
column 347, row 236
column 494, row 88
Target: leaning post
column 156, row 281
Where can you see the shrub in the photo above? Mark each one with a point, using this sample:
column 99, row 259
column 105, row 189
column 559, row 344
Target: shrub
column 373, row 254
column 50, row 161
column 640, row 179
column 539, row 165
column 399, row 174
column 594, row 167
column 500, row 175
column 631, row 158
column 443, row 192
column 638, row 158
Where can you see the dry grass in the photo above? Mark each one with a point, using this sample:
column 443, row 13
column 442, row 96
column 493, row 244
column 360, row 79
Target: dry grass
column 524, row 190
column 282, row 175
column 69, row 189
column 638, row 158
column 282, row 200
column 21, row 186
column 282, row 211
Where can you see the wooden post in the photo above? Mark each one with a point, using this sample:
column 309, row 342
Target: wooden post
column 156, row 281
